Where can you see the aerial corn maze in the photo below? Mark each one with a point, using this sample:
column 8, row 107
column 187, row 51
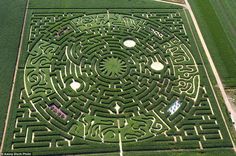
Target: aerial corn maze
column 113, row 81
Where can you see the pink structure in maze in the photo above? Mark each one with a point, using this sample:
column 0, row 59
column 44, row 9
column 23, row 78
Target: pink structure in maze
column 58, row 111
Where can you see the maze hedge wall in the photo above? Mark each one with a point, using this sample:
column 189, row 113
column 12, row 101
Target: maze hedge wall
column 82, row 89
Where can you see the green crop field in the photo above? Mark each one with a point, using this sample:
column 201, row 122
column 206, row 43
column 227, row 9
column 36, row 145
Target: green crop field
column 218, row 30
column 225, row 10
column 114, row 78
column 11, row 15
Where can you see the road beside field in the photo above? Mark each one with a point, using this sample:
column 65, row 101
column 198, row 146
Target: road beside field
column 218, row 79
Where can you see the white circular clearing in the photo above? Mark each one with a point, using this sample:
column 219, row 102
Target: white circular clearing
column 75, row 85
column 129, row 43
column 158, row 66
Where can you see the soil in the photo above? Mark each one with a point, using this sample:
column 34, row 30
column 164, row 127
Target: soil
column 176, row 1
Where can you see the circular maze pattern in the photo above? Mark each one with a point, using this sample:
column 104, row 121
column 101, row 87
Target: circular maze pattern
column 88, row 75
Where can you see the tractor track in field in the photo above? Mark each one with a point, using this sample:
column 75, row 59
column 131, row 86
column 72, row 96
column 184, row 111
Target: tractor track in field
column 188, row 7
column 215, row 72
column 14, row 78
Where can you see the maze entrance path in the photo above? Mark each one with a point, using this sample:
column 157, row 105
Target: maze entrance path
column 112, row 80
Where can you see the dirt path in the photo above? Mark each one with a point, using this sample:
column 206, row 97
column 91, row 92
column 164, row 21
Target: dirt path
column 176, row 1
column 232, row 102
column 169, row 2
column 218, row 80
column 229, row 107
column 14, row 78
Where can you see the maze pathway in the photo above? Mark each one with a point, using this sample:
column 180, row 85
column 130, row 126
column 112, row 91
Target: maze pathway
column 109, row 80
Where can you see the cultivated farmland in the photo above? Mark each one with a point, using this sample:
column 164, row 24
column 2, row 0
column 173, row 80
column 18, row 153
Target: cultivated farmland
column 113, row 80
column 219, row 41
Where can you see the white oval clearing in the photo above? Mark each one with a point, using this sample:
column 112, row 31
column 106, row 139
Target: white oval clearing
column 129, row 43
column 158, row 66
column 75, row 85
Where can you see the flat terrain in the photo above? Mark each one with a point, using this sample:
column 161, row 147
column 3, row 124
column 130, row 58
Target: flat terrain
column 218, row 35
column 176, row 1
column 225, row 11
column 115, row 78
column 11, row 15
